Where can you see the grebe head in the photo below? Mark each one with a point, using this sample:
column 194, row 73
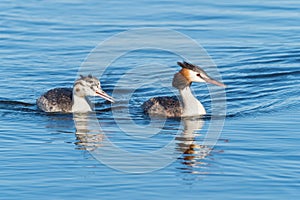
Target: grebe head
column 193, row 73
column 90, row 86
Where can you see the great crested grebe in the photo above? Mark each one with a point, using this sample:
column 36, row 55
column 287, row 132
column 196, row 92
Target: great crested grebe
column 73, row 99
column 171, row 106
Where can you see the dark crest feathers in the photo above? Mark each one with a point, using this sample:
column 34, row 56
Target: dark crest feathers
column 192, row 67
column 187, row 65
column 88, row 76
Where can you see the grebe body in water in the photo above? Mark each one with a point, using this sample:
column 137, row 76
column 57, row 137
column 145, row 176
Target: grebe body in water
column 188, row 104
column 74, row 99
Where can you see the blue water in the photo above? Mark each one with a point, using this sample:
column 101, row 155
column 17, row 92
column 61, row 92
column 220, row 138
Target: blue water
column 256, row 47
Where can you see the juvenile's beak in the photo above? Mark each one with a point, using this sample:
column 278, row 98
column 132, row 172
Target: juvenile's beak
column 212, row 81
column 105, row 96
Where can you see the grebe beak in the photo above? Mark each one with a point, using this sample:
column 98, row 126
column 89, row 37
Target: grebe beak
column 105, row 96
column 212, row 81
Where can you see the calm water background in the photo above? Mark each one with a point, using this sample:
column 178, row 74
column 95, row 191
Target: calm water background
column 256, row 46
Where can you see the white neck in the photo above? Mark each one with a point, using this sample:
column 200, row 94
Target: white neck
column 81, row 104
column 191, row 105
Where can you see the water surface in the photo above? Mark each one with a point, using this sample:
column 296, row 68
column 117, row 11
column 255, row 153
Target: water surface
column 256, row 46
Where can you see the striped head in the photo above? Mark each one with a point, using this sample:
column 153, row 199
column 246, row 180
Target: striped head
column 90, row 86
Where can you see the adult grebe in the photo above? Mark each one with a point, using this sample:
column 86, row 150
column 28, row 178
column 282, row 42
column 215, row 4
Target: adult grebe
column 73, row 99
column 171, row 106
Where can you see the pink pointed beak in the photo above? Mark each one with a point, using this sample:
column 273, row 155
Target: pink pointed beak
column 105, row 96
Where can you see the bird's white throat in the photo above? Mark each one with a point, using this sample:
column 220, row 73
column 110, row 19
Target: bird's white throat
column 81, row 104
column 191, row 105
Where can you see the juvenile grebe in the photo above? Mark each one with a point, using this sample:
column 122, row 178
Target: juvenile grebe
column 73, row 99
column 171, row 106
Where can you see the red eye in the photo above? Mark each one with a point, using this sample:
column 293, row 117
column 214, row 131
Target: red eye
column 198, row 75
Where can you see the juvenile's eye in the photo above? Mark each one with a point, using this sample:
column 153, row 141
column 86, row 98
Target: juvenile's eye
column 198, row 75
